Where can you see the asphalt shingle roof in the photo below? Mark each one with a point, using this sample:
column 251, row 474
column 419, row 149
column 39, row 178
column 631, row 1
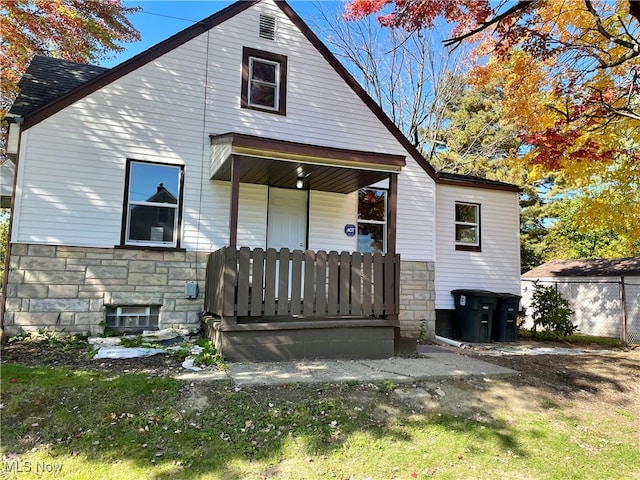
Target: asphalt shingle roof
column 48, row 79
column 599, row 267
column 471, row 179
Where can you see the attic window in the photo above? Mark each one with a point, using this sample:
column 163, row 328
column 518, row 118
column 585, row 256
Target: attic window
column 267, row 27
column 264, row 81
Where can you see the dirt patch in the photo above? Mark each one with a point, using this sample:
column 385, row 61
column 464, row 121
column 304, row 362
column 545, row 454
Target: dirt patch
column 596, row 382
column 77, row 356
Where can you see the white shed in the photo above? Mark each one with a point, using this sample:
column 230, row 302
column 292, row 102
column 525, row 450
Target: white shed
column 604, row 294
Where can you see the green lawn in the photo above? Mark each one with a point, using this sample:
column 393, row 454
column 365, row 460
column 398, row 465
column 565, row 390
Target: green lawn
column 93, row 426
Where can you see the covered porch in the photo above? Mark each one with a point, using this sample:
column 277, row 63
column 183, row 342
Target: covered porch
column 286, row 301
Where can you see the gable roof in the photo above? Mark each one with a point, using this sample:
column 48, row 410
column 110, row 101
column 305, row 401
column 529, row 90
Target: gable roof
column 92, row 84
column 128, row 66
column 600, row 267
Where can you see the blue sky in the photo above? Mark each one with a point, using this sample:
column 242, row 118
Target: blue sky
column 159, row 19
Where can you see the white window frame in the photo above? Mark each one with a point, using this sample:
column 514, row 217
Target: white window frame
column 249, row 57
column 275, row 85
column 131, row 203
column 377, row 222
column 475, row 224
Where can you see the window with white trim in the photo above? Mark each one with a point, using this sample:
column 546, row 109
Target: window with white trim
column 264, row 78
column 152, row 204
column 372, row 220
column 467, row 226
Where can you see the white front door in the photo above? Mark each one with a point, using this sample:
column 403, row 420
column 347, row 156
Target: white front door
column 287, row 219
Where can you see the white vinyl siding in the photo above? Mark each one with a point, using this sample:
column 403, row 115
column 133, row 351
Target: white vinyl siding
column 497, row 266
column 415, row 239
column 328, row 214
column 214, row 219
column 72, row 166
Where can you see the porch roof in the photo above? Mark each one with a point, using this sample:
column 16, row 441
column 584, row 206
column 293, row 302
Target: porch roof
column 280, row 163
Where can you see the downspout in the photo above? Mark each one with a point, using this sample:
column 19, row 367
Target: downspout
column 17, row 121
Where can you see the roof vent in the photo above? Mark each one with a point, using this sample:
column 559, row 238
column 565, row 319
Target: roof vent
column 267, row 27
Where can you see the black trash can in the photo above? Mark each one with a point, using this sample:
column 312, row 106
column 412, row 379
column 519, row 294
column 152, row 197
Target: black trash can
column 474, row 314
column 505, row 328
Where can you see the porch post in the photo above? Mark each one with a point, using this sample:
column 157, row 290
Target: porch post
column 392, row 208
column 233, row 208
column 392, row 267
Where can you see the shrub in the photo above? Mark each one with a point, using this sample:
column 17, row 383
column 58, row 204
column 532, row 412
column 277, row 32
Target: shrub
column 551, row 311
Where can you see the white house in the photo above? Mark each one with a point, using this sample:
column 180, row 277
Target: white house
column 239, row 159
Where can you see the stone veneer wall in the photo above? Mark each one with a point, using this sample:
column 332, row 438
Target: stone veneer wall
column 417, row 299
column 68, row 288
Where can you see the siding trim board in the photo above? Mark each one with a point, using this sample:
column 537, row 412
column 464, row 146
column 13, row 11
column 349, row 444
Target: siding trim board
column 281, row 163
column 253, row 142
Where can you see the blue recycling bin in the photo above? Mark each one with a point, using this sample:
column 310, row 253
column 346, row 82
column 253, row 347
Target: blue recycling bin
column 474, row 314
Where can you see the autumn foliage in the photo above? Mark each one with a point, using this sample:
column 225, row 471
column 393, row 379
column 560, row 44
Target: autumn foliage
column 569, row 78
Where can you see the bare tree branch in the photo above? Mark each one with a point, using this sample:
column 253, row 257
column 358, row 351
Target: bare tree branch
column 407, row 73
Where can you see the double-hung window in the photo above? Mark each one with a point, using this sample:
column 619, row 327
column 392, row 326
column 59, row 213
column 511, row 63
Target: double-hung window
column 372, row 220
column 264, row 78
column 152, row 204
column 467, row 226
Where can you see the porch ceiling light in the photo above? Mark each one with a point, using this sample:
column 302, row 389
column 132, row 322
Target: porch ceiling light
column 299, row 183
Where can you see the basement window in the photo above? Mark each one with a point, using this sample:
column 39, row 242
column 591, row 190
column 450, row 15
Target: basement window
column 132, row 319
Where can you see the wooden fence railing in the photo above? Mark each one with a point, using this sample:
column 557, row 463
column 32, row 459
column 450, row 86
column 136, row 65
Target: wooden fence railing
column 256, row 283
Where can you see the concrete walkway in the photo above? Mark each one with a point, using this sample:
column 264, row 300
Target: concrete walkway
column 433, row 363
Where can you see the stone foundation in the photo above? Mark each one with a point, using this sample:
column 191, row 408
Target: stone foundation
column 67, row 289
column 417, row 299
